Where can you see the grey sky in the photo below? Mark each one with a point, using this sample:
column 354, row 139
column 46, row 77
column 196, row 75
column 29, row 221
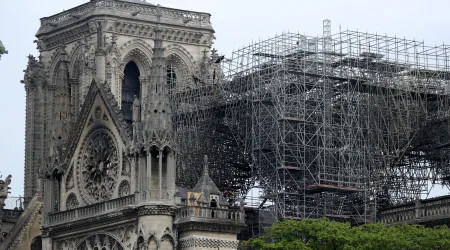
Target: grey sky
column 237, row 23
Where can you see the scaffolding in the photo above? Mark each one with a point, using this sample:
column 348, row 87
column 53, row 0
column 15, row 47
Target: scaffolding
column 198, row 121
column 339, row 125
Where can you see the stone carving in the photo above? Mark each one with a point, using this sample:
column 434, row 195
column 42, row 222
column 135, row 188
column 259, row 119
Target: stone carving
column 208, row 243
column 127, row 235
column 70, row 183
column 99, row 166
column 124, row 188
column 100, row 41
column 126, row 166
column 90, row 121
column 98, row 112
column 100, row 242
column 72, row 201
column 4, row 184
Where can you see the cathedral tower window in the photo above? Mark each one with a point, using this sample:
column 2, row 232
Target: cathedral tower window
column 171, row 77
column 131, row 87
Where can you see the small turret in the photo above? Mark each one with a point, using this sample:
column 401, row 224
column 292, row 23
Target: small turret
column 210, row 194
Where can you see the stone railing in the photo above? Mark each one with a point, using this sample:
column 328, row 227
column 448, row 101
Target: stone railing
column 155, row 195
column 418, row 211
column 187, row 213
column 142, row 9
column 11, row 215
column 89, row 211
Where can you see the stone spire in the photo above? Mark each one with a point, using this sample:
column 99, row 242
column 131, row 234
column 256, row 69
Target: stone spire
column 205, row 166
column 156, row 118
column 206, row 186
column 100, row 54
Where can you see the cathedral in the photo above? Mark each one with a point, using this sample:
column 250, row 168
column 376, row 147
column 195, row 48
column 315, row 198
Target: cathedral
column 100, row 151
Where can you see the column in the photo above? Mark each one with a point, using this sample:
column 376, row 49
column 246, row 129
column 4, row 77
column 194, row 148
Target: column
column 143, row 175
column 160, row 172
column 149, row 170
column 48, row 196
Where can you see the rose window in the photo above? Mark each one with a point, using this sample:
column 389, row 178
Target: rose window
column 99, row 166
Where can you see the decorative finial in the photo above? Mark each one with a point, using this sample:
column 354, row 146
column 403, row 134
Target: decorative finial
column 114, row 38
column 205, row 53
column 214, row 52
column 205, row 165
column 158, row 13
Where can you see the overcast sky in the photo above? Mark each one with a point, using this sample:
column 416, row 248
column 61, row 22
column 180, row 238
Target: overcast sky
column 237, row 23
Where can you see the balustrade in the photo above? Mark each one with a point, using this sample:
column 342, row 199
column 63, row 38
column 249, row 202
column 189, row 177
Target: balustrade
column 144, row 9
column 420, row 210
column 89, row 211
column 210, row 213
column 155, row 195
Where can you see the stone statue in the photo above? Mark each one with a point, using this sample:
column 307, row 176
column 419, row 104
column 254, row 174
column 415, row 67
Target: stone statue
column 136, row 109
column 8, row 180
column 4, row 186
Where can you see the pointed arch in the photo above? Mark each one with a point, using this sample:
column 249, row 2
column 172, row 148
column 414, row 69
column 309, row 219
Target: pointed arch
column 140, row 52
column 36, row 243
column 75, row 60
column 131, row 88
column 152, row 243
column 91, row 240
column 139, row 244
column 167, row 242
column 179, row 66
column 55, row 71
column 181, row 53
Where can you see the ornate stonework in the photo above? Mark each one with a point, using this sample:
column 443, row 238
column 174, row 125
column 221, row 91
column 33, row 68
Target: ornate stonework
column 72, row 201
column 208, row 243
column 101, row 242
column 124, row 188
column 111, row 181
column 98, row 167
column 70, row 182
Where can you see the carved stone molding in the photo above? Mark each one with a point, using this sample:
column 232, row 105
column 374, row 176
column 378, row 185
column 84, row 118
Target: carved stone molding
column 156, row 210
column 138, row 51
column 100, row 241
column 209, row 227
column 67, row 36
column 110, row 219
column 208, row 243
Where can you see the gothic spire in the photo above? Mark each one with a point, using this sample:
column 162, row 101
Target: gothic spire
column 205, row 165
column 157, row 109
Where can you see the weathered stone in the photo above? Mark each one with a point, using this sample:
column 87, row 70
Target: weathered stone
column 99, row 132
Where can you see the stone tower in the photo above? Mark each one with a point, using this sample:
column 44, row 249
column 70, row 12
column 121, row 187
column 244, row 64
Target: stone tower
column 100, row 40
column 99, row 131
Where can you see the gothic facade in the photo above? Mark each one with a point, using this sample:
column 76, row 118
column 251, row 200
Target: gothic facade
column 100, row 144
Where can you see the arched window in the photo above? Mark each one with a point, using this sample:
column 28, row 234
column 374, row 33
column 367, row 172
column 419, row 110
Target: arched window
column 130, row 87
column 36, row 244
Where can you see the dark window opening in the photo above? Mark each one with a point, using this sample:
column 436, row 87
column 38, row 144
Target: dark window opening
column 130, row 87
column 36, row 244
column 213, row 203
